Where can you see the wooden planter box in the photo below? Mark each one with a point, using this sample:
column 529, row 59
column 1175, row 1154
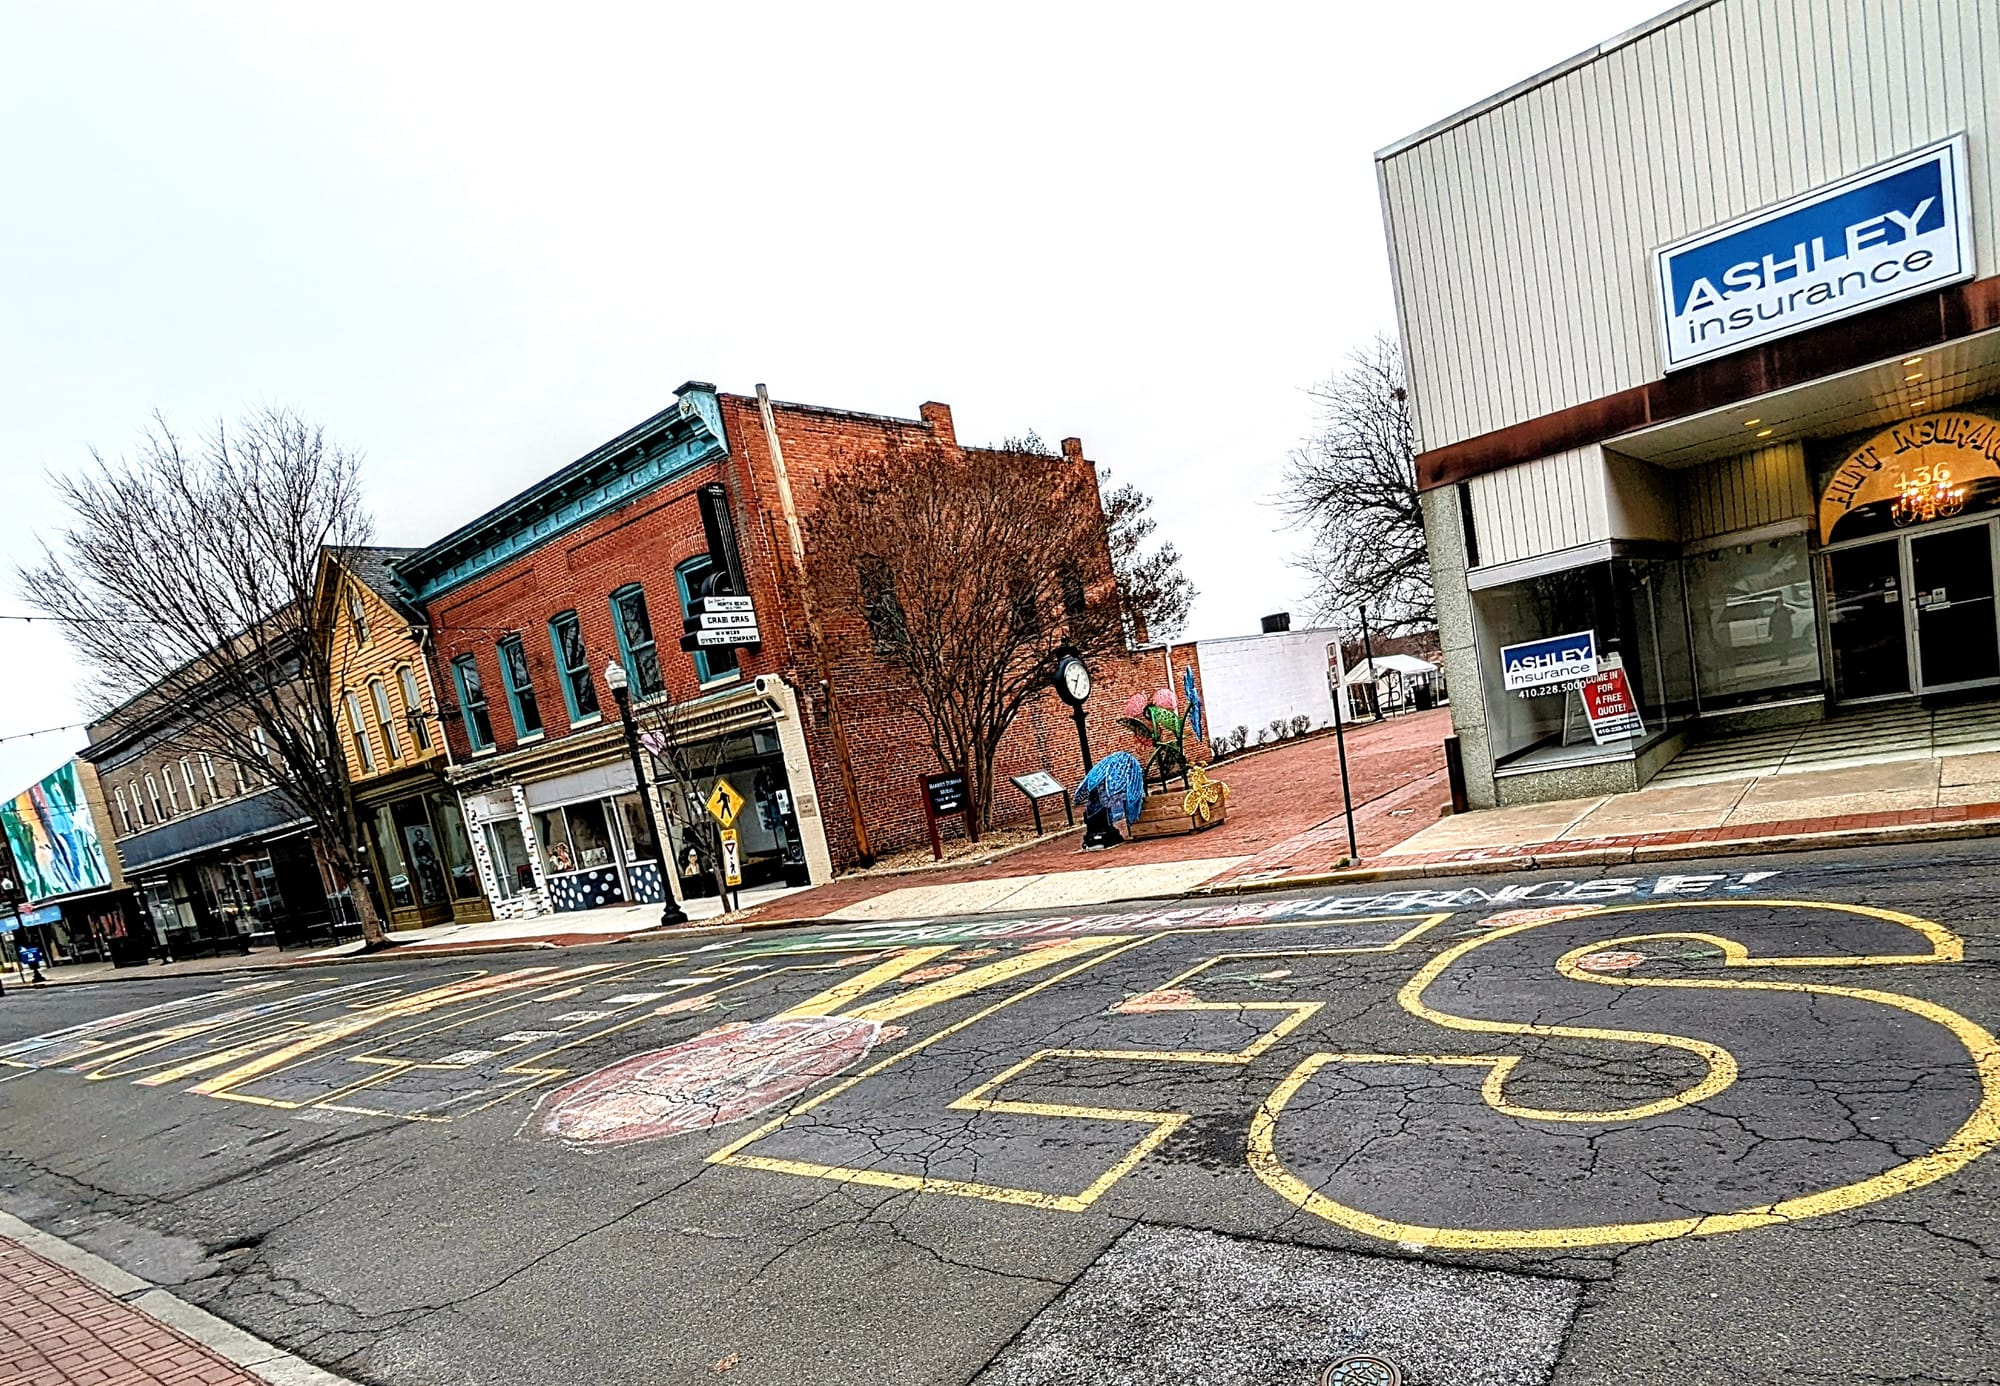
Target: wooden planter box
column 1162, row 816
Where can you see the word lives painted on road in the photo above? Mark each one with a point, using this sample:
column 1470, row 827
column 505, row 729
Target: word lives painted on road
column 1895, row 230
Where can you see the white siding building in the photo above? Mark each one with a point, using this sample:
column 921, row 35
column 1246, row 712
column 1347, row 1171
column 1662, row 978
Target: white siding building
column 1253, row 680
column 1703, row 333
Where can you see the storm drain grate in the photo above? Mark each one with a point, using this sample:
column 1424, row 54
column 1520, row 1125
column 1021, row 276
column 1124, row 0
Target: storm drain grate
column 1166, row 1304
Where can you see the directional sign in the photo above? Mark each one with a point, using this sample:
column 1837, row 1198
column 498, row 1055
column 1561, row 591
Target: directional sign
column 732, row 857
column 726, row 637
column 724, row 803
column 711, row 604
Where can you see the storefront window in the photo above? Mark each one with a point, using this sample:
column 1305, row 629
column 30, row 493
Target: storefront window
column 639, row 844
column 553, row 833
column 457, row 848
column 1751, row 610
column 1638, row 610
column 421, row 850
column 396, row 870
column 513, row 873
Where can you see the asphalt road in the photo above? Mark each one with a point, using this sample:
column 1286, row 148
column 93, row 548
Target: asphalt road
column 1726, row 1123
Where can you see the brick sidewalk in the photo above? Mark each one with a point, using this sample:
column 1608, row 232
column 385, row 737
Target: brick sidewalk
column 1396, row 769
column 58, row 1329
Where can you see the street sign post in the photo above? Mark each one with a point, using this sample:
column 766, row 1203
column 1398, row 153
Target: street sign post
column 724, row 803
column 732, row 857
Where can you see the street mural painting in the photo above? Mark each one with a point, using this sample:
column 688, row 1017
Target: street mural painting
column 1610, row 1062
column 738, row 1070
column 1750, row 1098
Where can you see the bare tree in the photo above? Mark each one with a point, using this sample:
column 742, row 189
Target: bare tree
column 975, row 569
column 1158, row 596
column 684, row 762
column 1353, row 486
column 188, row 584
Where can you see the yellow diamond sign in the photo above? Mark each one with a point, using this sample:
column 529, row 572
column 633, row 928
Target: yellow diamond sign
column 724, row 803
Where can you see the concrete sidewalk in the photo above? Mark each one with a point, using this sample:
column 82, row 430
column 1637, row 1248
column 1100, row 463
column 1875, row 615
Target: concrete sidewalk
column 1783, row 810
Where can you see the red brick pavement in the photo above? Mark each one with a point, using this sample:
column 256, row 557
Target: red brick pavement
column 1397, row 770
column 58, row 1329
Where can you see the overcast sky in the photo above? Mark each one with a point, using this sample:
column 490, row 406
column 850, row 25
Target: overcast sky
column 473, row 241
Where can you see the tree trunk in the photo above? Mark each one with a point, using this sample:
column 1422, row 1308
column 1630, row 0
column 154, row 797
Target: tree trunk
column 349, row 876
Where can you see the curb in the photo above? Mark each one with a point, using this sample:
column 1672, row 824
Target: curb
column 219, row 1336
column 1617, row 856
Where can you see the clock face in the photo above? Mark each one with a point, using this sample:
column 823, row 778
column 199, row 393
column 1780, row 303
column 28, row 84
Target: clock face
column 1076, row 679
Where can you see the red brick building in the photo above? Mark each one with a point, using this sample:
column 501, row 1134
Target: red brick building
column 528, row 604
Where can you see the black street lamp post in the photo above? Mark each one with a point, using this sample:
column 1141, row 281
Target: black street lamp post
column 617, row 681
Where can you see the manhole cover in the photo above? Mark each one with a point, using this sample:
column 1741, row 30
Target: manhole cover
column 1363, row 1369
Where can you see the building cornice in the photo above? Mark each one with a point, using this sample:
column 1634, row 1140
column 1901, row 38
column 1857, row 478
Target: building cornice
column 671, row 443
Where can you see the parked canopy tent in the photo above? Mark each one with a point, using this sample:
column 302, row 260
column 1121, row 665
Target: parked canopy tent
column 1388, row 682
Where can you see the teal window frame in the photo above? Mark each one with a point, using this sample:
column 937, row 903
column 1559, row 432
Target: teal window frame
column 467, row 703
column 708, row 665
column 577, row 677
column 634, row 670
column 513, row 655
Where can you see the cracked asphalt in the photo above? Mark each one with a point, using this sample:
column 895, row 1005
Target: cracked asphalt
column 1727, row 1122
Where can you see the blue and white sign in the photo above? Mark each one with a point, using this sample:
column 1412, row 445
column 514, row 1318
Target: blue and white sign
column 1898, row 229
column 1545, row 666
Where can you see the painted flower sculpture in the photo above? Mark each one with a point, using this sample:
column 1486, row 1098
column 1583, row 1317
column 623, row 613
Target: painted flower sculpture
column 1204, row 798
column 1117, row 785
column 1155, row 719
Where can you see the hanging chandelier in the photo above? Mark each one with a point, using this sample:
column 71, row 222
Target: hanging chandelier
column 1926, row 494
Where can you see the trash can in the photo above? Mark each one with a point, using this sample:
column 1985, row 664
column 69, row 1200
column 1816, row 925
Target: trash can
column 1424, row 698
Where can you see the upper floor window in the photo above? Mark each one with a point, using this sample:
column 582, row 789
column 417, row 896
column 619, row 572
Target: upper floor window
column 187, row 778
column 717, row 661
column 472, row 702
column 138, row 804
column 635, row 641
column 208, row 776
column 520, row 688
column 413, row 707
column 153, row 796
column 124, row 813
column 573, row 667
column 173, row 798
column 879, row 603
column 357, row 612
column 259, row 774
column 363, row 752
column 385, row 721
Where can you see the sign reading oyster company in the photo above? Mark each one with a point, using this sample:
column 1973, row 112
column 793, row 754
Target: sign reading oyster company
column 1551, row 665
column 1897, row 229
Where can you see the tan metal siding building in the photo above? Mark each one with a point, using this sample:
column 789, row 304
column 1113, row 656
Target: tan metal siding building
column 1686, row 511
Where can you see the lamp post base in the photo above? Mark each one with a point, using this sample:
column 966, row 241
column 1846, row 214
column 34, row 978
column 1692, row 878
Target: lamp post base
column 1098, row 833
column 670, row 913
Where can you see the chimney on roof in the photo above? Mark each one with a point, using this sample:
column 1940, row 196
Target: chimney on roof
column 1278, row 623
column 938, row 416
column 1072, row 449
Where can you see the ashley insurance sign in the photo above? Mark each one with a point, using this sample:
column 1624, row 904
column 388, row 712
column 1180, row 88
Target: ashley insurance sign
column 1895, row 230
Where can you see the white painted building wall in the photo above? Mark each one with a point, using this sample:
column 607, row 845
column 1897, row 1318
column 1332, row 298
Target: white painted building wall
column 1521, row 231
column 1251, row 680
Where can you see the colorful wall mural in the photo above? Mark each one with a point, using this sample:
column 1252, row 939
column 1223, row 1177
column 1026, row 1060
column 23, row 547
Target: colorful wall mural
column 54, row 837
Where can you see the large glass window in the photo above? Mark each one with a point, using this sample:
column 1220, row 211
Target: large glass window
column 1637, row 608
column 472, row 702
column 457, row 848
column 520, row 688
column 420, row 848
column 1750, row 607
column 396, row 883
column 576, row 837
column 573, row 667
column 635, row 641
column 513, row 873
column 639, row 844
column 717, row 661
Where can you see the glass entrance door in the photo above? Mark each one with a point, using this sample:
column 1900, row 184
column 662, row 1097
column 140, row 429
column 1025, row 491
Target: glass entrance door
column 1957, row 627
column 1865, row 621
